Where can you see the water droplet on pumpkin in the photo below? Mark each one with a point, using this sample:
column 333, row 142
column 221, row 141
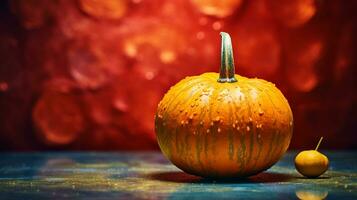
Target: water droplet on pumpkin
column 211, row 124
column 259, row 136
column 164, row 124
column 233, row 125
column 250, row 119
column 216, row 119
column 182, row 122
column 159, row 116
column 259, row 125
column 260, row 112
column 219, row 130
column 248, row 128
column 238, row 128
column 291, row 123
column 207, row 131
column 201, row 123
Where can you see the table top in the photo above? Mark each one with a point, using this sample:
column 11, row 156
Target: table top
column 148, row 175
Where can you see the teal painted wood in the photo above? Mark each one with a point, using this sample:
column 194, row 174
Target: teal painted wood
column 150, row 176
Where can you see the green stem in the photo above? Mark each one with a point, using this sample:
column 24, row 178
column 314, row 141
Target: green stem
column 226, row 73
column 318, row 145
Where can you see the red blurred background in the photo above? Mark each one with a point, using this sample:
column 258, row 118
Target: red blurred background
column 88, row 74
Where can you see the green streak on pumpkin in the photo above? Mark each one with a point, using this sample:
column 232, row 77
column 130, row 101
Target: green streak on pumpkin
column 274, row 124
column 250, row 132
column 230, row 130
column 231, row 145
column 226, row 73
column 251, row 143
column 198, row 147
column 200, row 133
column 186, row 146
column 272, row 142
column 241, row 152
column 208, row 136
column 259, row 142
column 277, row 144
column 163, row 138
column 168, row 142
column 177, row 141
column 240, row 149
column 206, row 145
column 178, row 95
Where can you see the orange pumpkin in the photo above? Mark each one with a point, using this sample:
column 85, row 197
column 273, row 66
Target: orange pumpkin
column 230, row 127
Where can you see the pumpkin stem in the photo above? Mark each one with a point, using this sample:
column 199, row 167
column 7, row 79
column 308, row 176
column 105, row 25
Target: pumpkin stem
column 318, row 145
column 226, row 73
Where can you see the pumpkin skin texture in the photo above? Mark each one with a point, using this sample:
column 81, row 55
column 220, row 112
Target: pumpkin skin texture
column 223, row 129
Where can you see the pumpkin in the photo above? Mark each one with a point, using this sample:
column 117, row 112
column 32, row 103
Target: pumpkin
column 311, row 163
column 223, row 125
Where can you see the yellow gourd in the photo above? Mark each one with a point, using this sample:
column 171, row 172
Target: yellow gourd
column 311, row 163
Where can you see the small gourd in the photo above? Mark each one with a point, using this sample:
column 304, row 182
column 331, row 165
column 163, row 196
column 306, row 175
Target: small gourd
column 311, row 163
column 223, row 125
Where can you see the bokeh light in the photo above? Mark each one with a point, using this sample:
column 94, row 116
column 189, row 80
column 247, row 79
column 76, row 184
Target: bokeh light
column 88, row 74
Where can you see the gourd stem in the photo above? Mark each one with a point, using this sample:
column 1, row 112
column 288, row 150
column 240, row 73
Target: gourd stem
column 318, row 144
column 226, row 73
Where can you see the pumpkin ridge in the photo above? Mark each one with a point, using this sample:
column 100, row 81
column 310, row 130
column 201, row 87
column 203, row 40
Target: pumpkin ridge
column 230, row 128
column 171, row 101
column 242, row 149
column 201, row 131
column 211, row 130
column 276, row 150
column 204, row 133
column 260, row 143
column 255, row 130
column 274, row 123
column 250, row 131
column 178, row 94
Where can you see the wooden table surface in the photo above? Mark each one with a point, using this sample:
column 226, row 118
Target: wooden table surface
column 148, row 175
